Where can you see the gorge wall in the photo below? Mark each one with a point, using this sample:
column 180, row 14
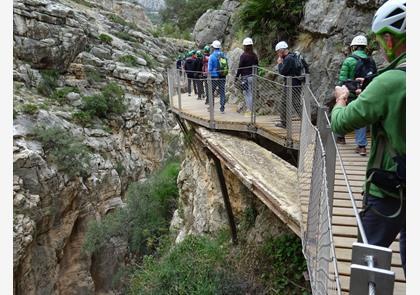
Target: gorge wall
column 65, row 51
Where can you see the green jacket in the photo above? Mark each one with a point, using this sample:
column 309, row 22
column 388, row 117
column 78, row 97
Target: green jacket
column 382, row 101
column 349, row 65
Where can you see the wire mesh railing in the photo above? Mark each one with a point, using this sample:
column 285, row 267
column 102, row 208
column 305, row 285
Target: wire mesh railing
column 252, row 99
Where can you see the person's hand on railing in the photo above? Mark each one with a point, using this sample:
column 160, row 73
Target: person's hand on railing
column 341, row 94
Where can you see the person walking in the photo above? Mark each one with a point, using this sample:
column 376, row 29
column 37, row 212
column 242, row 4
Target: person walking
column 189, row 70
column 382, row 105
column 198, row 75
column 247, row 60
column 205, row 70
column 365, row 66
column 217, row 73
column 290, row 65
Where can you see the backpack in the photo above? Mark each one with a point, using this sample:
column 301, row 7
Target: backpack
column 299, row 64
column 364, row 66
column 223, row 66
column 206, row 64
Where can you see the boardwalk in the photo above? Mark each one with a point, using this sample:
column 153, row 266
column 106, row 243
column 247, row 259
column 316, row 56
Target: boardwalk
column 196, row 111
column 344, row 229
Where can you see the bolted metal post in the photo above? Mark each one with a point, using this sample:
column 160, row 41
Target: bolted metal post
column 170, row 85
column 179, row 91
column 328, row 142
column 306, row 96
column 211, row 101
column 289, row 107
column 254, row 94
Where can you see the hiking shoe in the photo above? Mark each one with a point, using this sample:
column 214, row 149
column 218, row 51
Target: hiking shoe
column 222, row 112
column 341, row 140
column 281, row 124
column 361, row 150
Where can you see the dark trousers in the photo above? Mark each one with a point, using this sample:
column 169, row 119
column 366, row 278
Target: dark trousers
column 219, row 83
column 382, row 231
column 198, row 85
column 190, row 80
column 296, row 102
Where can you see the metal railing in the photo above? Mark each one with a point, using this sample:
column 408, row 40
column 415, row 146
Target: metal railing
column 263, row 97
column 253, row 99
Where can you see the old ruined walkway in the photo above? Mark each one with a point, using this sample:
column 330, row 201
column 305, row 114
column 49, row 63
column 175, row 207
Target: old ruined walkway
column 320, row 210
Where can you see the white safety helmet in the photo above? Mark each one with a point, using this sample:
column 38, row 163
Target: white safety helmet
column 390, row 18
column 359, row 40
column 216, row 44
column 281, row 45
column 247, row 41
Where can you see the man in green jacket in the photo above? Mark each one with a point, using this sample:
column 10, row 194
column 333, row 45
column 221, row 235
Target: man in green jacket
column 348, row 72
column 382, row 105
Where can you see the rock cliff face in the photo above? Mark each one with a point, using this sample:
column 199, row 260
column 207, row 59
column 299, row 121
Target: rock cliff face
column 201, row 208
column 62, row 45
column 325, row 40
column 215, row 25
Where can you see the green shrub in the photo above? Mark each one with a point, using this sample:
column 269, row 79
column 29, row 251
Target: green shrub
column 109, row 101
column 83, row 2
column 67, row 151
column 125, row 36
column 151, row 62
column 93, row 76
column 49, row 82
column 197, row 265
column 146, row 217
column 119, row 20
column 105, row 38
column 82, row 118
column 129, row 60
column 30, row 108
column 284, row 253
column 183, row 14
column 61, row 93
column 269, row 21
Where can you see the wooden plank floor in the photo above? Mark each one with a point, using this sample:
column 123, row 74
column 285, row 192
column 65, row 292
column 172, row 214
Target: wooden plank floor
column 196, row 111
column 344, row 221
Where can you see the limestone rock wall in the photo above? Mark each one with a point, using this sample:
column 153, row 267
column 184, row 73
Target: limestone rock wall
column 52, row 209
column 325, row 40
column 215, row 25
column 201, row 209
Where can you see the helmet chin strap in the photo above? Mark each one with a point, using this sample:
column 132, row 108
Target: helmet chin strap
column 390, row 46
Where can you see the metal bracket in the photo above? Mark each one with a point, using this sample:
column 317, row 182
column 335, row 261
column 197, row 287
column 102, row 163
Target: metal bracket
column 371, row 268
column 361, row 276
column 382, row 256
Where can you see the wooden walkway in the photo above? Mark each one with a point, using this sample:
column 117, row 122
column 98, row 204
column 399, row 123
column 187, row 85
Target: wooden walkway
column 196, row 111
column 343, row 219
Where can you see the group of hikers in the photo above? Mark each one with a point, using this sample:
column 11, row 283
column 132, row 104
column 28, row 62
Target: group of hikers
column 364, row 97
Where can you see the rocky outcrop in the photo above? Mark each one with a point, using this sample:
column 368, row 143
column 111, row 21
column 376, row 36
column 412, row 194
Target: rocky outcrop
column 215, row 25
column 133, row 13
column 48, row 34
column 325, row 40
column 152, row 5
column 84, row 50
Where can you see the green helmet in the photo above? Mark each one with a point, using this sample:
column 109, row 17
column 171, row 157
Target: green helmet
column 199, row 54
column 207, row 49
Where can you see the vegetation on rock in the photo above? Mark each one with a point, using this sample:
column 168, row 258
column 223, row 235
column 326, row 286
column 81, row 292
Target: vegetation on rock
column 179, row 17
column 67, row 151
column 269, row 21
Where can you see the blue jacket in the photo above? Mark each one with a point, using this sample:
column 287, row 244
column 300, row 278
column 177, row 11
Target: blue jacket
column 214, row 63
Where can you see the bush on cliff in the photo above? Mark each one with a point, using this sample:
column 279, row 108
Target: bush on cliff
column 146, row 216
column 270, row 21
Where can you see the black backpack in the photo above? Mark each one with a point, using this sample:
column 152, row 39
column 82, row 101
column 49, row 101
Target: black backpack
column 364, row 67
